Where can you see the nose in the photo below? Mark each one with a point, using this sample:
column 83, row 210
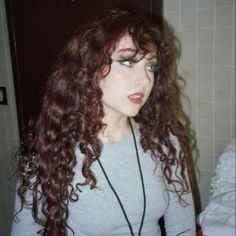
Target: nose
column 142, row 77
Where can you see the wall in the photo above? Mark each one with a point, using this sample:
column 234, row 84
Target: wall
column 8, row 129
column 206, row 30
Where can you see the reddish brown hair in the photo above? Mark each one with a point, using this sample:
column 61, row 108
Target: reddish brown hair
column 72, row 115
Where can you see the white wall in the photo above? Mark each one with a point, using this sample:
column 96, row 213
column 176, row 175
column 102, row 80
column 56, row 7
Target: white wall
column 8, row 129
column 206, row 30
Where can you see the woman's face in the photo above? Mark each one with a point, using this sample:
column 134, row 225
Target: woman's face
column 127, row 86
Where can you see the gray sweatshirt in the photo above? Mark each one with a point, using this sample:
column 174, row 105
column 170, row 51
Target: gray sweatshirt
column 97, row 213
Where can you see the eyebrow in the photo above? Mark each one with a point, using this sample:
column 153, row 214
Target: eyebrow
column 126, row 50
column 133, row 51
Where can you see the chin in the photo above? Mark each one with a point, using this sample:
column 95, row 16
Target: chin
column 133, row 113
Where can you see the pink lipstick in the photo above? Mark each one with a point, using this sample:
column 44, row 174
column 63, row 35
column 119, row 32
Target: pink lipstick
column 136, row 98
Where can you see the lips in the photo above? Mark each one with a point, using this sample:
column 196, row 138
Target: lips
column 136, row 98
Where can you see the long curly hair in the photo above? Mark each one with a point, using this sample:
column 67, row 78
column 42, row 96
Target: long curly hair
column 72, row 112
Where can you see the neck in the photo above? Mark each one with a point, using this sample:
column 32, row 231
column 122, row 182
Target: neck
column 115, row 130
column 142, row 182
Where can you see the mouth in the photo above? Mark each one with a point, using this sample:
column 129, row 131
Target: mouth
column 136, row 98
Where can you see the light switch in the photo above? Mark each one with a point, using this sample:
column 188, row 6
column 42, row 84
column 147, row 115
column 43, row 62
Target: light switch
column 3, row 96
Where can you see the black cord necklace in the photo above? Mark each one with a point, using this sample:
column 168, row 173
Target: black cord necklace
column 143, row 188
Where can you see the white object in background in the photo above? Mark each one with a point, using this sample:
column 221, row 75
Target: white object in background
column 218, row 218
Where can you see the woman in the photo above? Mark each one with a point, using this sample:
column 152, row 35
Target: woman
column 110, row 155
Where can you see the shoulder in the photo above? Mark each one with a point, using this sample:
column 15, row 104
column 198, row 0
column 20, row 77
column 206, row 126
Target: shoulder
column 175, row 142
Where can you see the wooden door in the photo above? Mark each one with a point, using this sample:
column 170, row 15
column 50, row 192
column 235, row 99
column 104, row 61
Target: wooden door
column 38, row 30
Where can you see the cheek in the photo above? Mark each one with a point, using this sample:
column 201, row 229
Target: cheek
column 107, row 85
column 149, row 90
column 151, row 84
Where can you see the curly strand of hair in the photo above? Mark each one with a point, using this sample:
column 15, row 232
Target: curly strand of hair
column 162, row 120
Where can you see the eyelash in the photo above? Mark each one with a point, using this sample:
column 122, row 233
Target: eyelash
column 130, row 63
column 153, row 68
column 127, row 62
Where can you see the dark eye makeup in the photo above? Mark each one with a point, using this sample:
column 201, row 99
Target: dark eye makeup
column 153, row 67
column 129, row 61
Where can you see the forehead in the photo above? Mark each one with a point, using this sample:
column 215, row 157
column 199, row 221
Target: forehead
column 126, row 44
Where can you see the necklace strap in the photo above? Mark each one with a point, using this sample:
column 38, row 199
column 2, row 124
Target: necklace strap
column 117, row 197
column 143, row 188
column 141, row 177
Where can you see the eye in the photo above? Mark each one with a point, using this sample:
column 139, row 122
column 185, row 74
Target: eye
column 127, row 62
column 153, row 68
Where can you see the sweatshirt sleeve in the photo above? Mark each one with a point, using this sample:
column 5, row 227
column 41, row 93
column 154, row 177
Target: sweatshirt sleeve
column 180, row 217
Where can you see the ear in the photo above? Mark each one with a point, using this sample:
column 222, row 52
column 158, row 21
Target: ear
column 105, row 71
column 102, row 84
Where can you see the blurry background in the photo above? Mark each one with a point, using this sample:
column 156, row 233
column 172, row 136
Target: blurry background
column 206, row 30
